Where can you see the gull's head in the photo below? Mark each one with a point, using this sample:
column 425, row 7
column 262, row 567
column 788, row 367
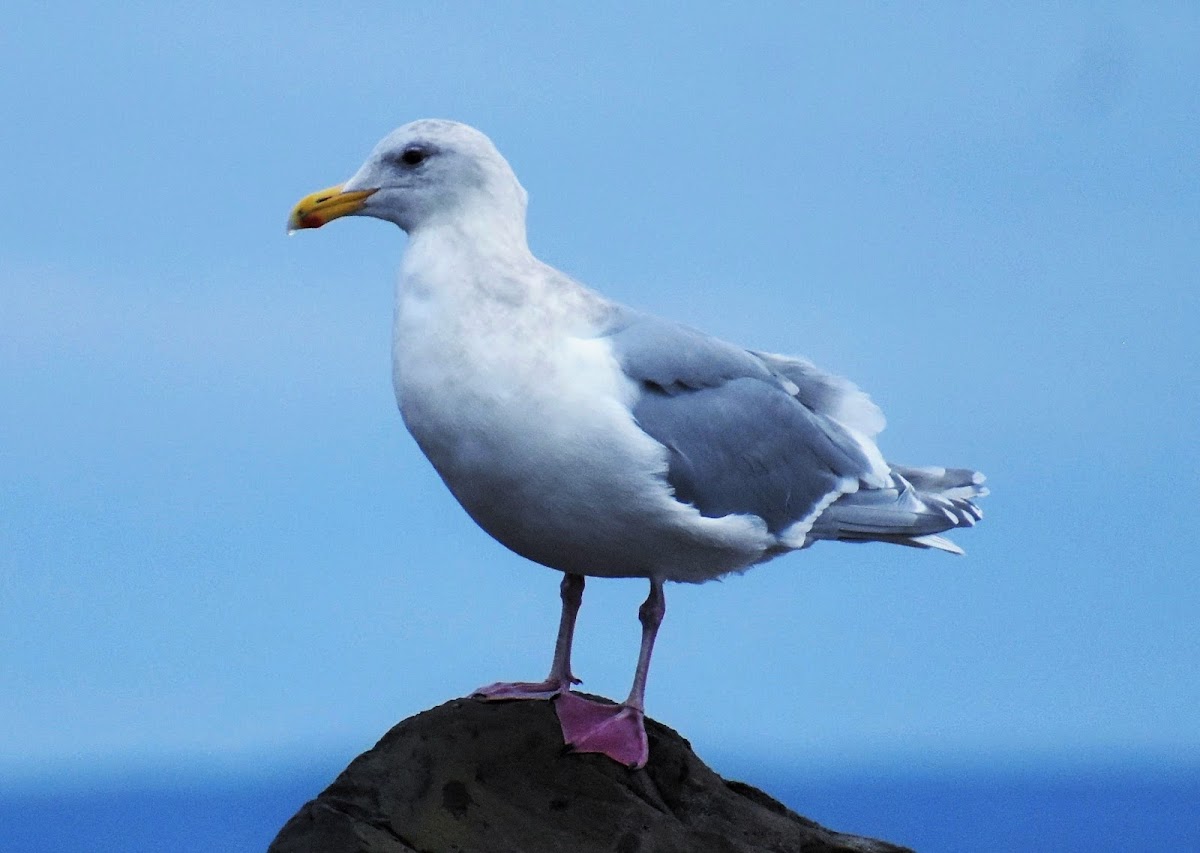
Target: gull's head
column 424, row 173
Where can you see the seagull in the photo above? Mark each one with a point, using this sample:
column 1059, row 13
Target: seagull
column 601, row 441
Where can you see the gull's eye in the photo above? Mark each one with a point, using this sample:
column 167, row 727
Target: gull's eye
column 413, row 156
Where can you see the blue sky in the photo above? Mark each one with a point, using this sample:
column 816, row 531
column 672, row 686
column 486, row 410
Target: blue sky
column 218, row 544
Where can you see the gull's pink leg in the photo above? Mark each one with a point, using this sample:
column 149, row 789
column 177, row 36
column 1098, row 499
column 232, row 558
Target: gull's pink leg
column 560, row 678
column 618, row 731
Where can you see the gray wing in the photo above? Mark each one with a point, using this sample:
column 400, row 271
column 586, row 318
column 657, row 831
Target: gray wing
column 742, row 434
column 832, row 396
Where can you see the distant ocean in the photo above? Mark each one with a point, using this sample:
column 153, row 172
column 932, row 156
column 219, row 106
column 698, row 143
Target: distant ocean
column 1122, row 811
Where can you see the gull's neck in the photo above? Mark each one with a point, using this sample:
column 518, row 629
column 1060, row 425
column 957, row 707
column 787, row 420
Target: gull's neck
column 476, row 267
column 469, row 257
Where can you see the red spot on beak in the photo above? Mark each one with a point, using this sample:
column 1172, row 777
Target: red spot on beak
column 311, row 220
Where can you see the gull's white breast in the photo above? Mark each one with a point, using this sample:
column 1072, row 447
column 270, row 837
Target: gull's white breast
column 527, row 420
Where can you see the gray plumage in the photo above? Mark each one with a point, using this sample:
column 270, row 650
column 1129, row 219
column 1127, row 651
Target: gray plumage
column 776, row 437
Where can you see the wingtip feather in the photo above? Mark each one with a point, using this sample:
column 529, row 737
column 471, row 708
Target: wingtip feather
column 940, row 543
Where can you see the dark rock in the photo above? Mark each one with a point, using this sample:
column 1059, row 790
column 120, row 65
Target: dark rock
column 477, row 777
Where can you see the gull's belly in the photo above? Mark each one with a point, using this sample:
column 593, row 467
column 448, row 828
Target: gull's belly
column 538, row 445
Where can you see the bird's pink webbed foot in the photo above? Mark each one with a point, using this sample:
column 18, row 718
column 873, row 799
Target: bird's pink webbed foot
column 502, row 690
column 618, row 731
column 560, row 678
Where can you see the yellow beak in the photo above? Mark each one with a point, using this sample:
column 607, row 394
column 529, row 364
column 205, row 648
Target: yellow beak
column 325, row 205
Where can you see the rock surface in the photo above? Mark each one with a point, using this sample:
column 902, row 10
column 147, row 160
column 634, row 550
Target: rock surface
column 476, row 777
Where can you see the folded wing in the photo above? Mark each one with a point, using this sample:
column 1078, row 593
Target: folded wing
column 776, row 437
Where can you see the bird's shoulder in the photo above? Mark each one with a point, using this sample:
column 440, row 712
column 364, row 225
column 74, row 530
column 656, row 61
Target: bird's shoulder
column 673, row 358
